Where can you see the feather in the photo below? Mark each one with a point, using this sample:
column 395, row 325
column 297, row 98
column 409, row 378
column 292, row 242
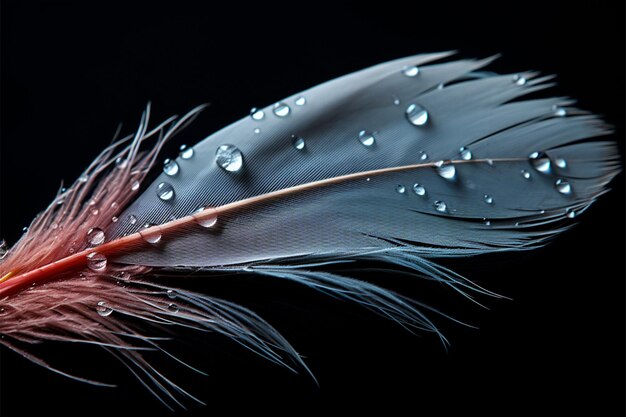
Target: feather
column 404, row 163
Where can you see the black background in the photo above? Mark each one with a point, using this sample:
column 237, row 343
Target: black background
column 72, row 70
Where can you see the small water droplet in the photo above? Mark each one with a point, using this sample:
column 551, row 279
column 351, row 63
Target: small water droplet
column 517, row 224
column 229, row 158
column 173, row 308
column 540, row 162
column 150, row 233
column 83, row 178
column 488, row 199
column 465, row 153
column 411, row 71
column 396, row 100
column 487, row 222
column 134, row 185
column 257, row 114
column 103, row 309
column 563, row 186
column 423, row 156
column 300, row 101
column 366, row 138
column 281, row 109
column 525, row 174
column 124, row 275
column 114, row 205
column 560, row 162
column 519, row 80
column 165, row 191
column 171, row 294
column 297, row 142
column 185, row 152
column 95, row 236
column 170, row 167
column 367, row 179
column 24, row 229
column 447, row 171
column 96, row 261
column 94, row 211
column 416, row 114
column 440, row 206
column 571, row 214
column 419, row 189
column 114, row 219
column 400, row 189
column 121, row 163
column 257, row 130
column 559, row 111
column 205, row 218
column 132, row 219
column 440, row 86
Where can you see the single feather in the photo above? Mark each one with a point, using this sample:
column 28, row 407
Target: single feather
column 405, row 162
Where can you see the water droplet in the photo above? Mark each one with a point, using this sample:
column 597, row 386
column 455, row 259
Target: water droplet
column 297, row 142
column 24, row 229
column 440, row 86
column 559, row 111
column 173, row 308
column 257, row 114
column 185, row 152
column 134, row 186
column 519, row 80
column 281, row 109
column 571, row 214
column 132, row 219
column 229, row 158
column 400, row 189
column 368, row 179
column 94, row 211
column 563, row 186
column 121, row 163
column 257, row 130
column 96, row 261
column 419, row 189
column 488, row 199
column 114, row 205
column 114, row 219
column 95, row 236
column 447, row 171
column 540, row 162
column 124, row 275
column 300, row 101
column 170, row 167
column 396, row 100
column 83, row 178
column 416, row 114
column 366, row 138
column 411, row 71
column 423, row 156
column 150, row 233
column 465, row 153
column 165, row 191
column 440, row 206
column 103, row 309
column 171, row 294
column 560, row 162
column 205, row 218
column 487, row 222
column 525, row 174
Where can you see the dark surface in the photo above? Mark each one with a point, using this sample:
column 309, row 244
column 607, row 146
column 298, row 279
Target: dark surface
column 70, row 73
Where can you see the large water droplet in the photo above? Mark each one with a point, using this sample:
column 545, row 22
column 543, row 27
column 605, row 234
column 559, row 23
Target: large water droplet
column 561, row 163
column 171, row 294
column 95, row 236
column 170, row 167
column 416, row 114
column 205, row 218
column 257, row 114
column 185, row 152
column 488, row 199
column 440, row 206
column 465, row 153
column 400, row 189
column 366, row 138
column 103, row 309
column 281, row 109
column 132, row 219
column 96, row 261
column 411, row 71
column 297, row 142
column 519, row 80
column 445, row 170
column 419, row 189
column 525, row 174
column 150, row 234
column 563, row 186
column 229, row 158
column 540, row 161
column 172, row 308
column 300, row 101
column 165, row 191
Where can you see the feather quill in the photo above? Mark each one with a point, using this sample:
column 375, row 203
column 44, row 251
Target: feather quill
column 405, row 162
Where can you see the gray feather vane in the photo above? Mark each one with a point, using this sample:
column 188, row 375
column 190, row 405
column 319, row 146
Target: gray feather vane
column 404, row 162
